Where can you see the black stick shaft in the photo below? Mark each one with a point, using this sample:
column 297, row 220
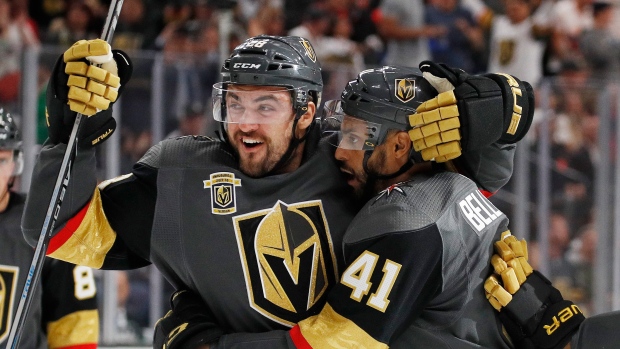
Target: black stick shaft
column 62, row 182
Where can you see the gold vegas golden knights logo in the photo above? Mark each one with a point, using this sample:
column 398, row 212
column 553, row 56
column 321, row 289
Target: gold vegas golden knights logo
column 288, row 260
column 405, row 89
column 223, row 198
column 506, row 51
column 309, row 50
column 8, row 281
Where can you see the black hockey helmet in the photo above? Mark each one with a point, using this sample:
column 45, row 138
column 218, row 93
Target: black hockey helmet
column 264, row 60
column 383, row 98
column 10, row 139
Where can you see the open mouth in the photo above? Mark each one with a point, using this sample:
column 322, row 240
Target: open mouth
column 347, row 175
column 250, row 143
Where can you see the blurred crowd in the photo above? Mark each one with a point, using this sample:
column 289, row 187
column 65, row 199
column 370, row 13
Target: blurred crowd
column 573, row 44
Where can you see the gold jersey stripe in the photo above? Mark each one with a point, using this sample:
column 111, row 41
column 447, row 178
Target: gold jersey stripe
column 80, row 327
column 89, row 244
column 332, row 330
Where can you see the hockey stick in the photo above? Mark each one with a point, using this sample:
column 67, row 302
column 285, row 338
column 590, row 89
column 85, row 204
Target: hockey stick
column 34, row 273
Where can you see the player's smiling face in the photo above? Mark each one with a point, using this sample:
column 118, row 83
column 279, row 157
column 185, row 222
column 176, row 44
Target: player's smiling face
column 260, row 122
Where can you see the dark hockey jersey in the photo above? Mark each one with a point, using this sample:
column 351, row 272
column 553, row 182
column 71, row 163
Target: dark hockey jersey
column 416, row 259
column 63, row 313
column 261, row 252
column 417, row 256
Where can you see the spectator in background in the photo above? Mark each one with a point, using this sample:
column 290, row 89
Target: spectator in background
column 402, row 25
column 340, row 57
column 362, row 15
column 269, row 20
column 193, row 122
column 568, row 19
column 44, row 11
column 176, row 11
column 186, row 44
column 127, row 330
column 600, row 48
column 582, row 254
column 296, row 11
column 561, row 272
column 15, row 35
column 75, row 25
column 513, row 47
column 138, row 25
column 315, row 24
column 464, row 40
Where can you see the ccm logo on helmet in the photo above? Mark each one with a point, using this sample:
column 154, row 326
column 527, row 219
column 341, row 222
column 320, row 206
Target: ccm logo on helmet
column 564, row 315
column 246, row 65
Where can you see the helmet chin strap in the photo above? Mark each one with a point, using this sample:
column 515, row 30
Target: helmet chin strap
column 292, row 145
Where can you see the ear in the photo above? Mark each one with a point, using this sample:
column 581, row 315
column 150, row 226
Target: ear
column 306, row 119
column 402, row 146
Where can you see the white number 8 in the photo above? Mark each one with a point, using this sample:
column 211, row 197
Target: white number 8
column 84, row 282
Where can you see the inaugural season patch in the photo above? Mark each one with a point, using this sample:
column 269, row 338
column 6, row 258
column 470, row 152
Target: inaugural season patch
column 405, row 89
column 8, row 284
column 288, row 259
column 223, row 196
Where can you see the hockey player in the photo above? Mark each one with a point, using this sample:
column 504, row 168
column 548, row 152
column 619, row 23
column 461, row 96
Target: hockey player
column 253, row 224
column 64, row 308
column 418, row 252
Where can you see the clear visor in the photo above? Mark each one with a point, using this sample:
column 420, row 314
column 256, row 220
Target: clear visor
column 346, row 131
column 245, row 104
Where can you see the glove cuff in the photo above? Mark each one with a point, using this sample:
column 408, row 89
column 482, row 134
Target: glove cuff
column 125, row 67
column 194, row 335
column 560, row 321
column 518, row 107
column 538, row 317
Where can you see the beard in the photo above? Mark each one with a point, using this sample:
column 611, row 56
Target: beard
column 261, row 162
column 368, row 184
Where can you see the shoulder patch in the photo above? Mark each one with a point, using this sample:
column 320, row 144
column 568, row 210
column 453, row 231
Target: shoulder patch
column 223, row 195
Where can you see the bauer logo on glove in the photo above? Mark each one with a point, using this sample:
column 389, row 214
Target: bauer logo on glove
column 532, row 311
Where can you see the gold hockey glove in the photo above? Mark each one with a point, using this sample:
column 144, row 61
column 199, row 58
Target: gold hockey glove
column 470, row 112
column 189, row 324
column 532, row 311
column 79, row 86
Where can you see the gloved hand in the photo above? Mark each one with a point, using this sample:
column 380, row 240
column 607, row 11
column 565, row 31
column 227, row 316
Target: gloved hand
column 187, row 325
column 532, row 311
column 78, row 87
column 470, row 112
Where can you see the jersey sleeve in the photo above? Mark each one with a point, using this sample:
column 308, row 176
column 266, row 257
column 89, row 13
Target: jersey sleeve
column 101, row 226
column 490, row 167
column 387, row 283
column 70, row 316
